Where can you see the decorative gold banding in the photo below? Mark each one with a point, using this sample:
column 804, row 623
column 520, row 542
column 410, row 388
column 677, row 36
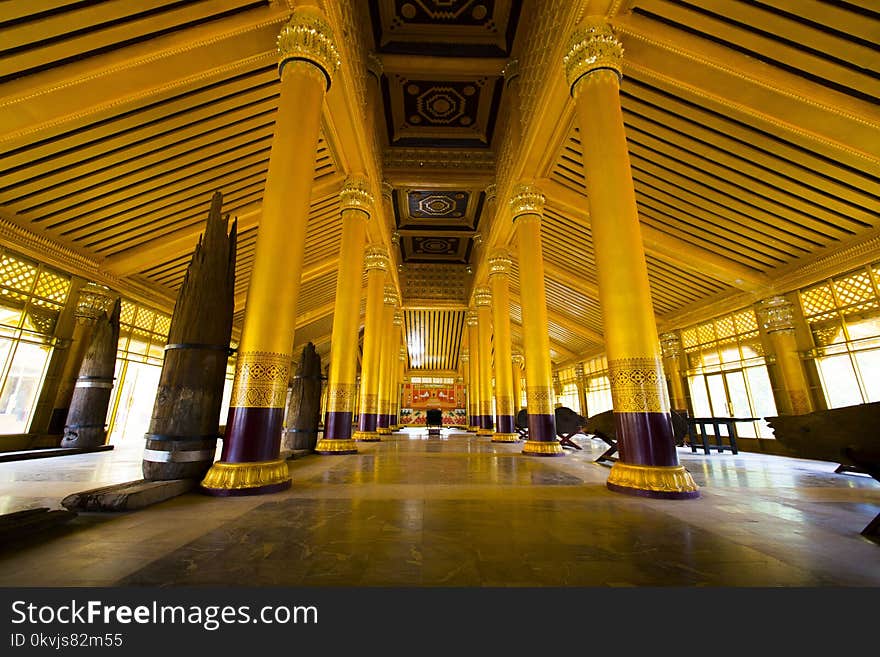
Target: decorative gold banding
column 397, row 320
column 261, row 379
column 235, row 476
column 591, row 46
column 355, row 195
column 482, row 296
column 542, row 447
column 504, row 405
column 473, row 429
column 389, row 295
column 517, row 359
column 670, row 345
column 341, row 398
column 482, row 431
column 526, row 199
column 500, row 262
column 491, row 193
column 485, row 407
column 375, row 258
column 638, row 385
column 366, row 436
column 307, row 36
column 471, row 318
column 383, row 431
column 370, row 403
column 777, row 314
column 661, row 478
column 464, row 357
column 539, row 400
column 387, row 190
column 505, row 438
column 336, row 445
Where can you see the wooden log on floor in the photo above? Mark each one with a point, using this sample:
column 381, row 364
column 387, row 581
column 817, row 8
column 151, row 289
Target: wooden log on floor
column 128, row 496
column 184, row 427
column 304, row 407
column 23, row 524
column 87, row 417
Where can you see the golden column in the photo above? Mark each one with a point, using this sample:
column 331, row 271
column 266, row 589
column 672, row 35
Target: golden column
column 648, row 464
column 580, row 380
column 387, row 358
column 499, row 279
column 376, row 263
column 670, row 347
column 398, row 385
column 483, row 302
column 526, row 205
column 357, row 204
column 517, row 362
column 465, row 360
column 249, row 463
column 777, row 319
column 474, row 353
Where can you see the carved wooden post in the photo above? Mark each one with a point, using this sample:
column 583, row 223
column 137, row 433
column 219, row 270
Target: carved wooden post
column 184, row 427
column 87, row 417
column 304, row 407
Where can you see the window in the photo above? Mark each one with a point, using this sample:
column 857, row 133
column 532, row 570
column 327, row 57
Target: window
column 844, row 318
column 727, row 372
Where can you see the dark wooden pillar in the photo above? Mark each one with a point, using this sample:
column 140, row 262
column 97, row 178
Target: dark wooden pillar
column 304, row 407
column 186, row 415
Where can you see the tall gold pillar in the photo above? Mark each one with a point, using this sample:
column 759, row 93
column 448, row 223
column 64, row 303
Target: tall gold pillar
column 357, row 204
column 398, row 387
column 376, row 263
column 465, row 360
column 580, row 380
column 483, row 302
column 777, row 318
column 250, row 460
column 517, row 363
column 648, row 464
column 526, row 205
column 388, row 358
column 505, row 410
column 474, row 362
column 670, row 347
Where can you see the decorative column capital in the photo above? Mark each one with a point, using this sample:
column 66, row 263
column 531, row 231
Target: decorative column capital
column 517, row 359
column 387, row 190
column 579, row 375
column 670, row 345
column 402, row 354
column 308, row 37
column 355, row 195
column 482, row 296
column 395, row 238
column 777, row 315
column 491, row 194
column 389, row 297
column 526, row 199
column 471, row 318
column 510, row 71
column 376, row 259
column 500, row 262
column 374, row 65
column 592, row 46
column 94, row 300
column 464, row 356
column 398, row 318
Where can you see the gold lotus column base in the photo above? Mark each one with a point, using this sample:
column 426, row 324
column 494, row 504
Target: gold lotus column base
column 482, row 431
column 336, row 446
column 246, row 478
column 505, row 438
column 473, row 429
column 367, row 436
column 384, row 431
column 660, row 481
column 543, row 448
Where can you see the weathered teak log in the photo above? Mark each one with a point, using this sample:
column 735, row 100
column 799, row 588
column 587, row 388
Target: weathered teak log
column 184, row 427
column 23, row 524
column 87, row 417
column 847, row 435
column 128, row 496
column 304, row 407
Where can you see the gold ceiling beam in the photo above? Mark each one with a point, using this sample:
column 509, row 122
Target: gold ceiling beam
column 683, row 255
column 716, row 76
column 420, row 65
column 63, row 98
column 182, row 241
column 570, row 279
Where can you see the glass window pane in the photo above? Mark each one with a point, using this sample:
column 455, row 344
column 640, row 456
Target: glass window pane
column 839, row 381
column 736, row 390
column 699, row 396
column 21, row 386
column 718, row 396
column 869, row 368
column 863, row 328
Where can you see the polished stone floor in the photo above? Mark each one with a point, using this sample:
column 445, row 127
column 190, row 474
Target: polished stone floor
column 456, row 511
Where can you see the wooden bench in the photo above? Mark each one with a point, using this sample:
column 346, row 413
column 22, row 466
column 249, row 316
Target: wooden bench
column 717, row 423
